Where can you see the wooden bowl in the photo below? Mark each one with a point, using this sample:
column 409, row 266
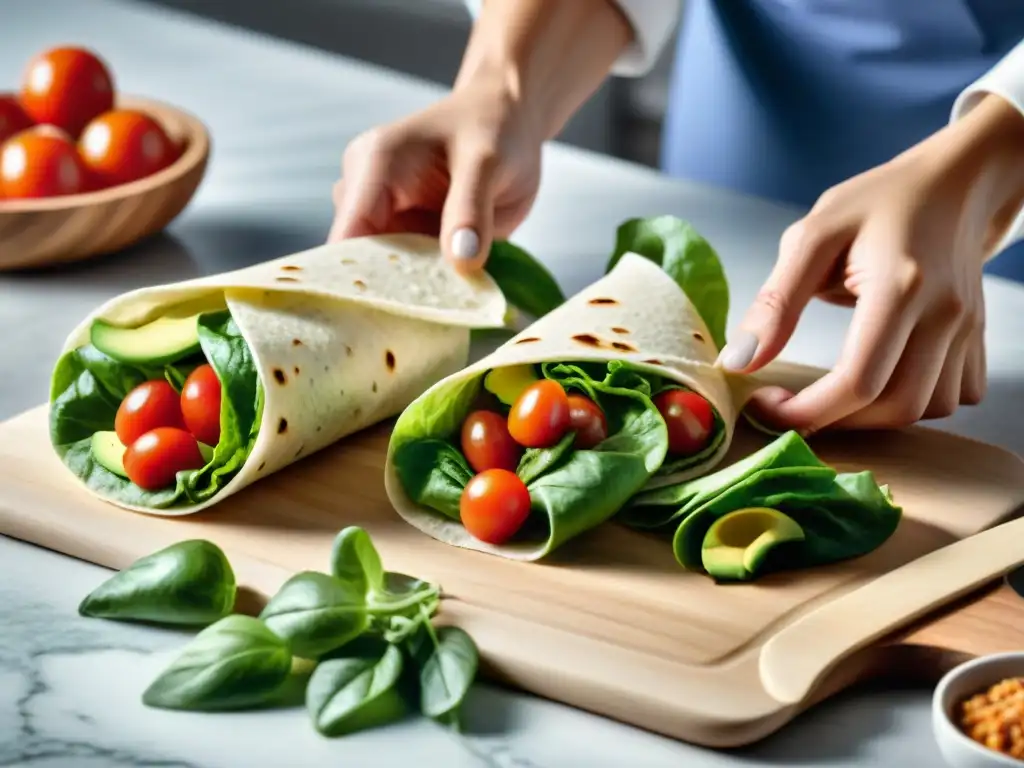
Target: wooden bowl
column 41, row 232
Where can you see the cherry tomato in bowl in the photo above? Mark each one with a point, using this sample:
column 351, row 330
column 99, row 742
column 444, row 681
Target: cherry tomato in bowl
column 494, row 505
column 588, row 421
column 200, row 404
column 487, row 444
column 689, row 419
column 13, row 118
column 67, row 87
column 540, row 415
column 150, row 405
column 41, row 162
column 153, row 461
column 124, row 145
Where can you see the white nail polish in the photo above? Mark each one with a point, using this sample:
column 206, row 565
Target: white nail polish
column 740, row 350
column 465, row 243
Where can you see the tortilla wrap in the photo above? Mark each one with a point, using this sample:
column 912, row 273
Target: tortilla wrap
column 342, row 336
column 637, row 314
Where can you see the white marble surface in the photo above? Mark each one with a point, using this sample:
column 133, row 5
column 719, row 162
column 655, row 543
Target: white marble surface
column 280, row 117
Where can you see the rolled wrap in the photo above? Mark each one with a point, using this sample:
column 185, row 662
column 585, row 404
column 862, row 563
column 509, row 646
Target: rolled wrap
column 636, row 313
column 342, row 336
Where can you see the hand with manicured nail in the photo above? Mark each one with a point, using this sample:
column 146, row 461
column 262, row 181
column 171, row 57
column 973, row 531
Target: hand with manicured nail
column 904, row 245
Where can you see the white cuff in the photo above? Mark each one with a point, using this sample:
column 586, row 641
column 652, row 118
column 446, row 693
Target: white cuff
column 653, row 22
column 1005, row 79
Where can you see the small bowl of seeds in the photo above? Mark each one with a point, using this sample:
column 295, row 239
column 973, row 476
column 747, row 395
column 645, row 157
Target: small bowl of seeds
column 978, row 712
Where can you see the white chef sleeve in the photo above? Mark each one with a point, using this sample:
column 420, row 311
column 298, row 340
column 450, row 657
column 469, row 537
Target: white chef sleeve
column 1005, row 79
column 653, row 22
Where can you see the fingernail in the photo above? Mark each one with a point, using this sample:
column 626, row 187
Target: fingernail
column 739, row 351
column 465, row 243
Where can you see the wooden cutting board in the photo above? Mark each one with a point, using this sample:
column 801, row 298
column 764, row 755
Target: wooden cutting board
column 611, row 623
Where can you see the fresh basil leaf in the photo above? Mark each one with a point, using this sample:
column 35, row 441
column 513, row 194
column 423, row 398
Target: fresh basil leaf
column 355, row 559
column 87, row 388
column 448, row 672
column 188, row 583
column 433, row 473
column 316, row 613
column 526, row 283
column 356, row 692
column 687, row 257
column 536, row 461
column 233, row 664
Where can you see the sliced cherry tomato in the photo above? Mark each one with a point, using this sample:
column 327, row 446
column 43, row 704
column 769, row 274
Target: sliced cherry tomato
column 41, row 162
column 688, row 418
column 150, row 405
column 200, row 404
column 13, row 118
column 494, row 505
column 67, row 87
column 587, row 420
column 124, row 145
column 156, row 457
column 487, row 444
column 540, row 415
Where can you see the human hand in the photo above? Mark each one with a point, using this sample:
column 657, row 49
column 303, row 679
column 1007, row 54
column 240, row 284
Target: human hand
column 904, row 244
column 465, row 169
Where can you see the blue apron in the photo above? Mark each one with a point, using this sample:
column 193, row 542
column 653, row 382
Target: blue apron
column 785, row 98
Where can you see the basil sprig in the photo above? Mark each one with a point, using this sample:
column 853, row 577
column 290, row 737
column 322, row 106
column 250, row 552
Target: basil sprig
column 360, row 639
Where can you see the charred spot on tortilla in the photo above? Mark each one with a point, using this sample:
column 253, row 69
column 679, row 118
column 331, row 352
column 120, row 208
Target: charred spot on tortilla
column 389, row 360
column 654, row 361
column 359, row 284
column 603, row 301
column 261, row 466
column 698, row 336
column 527, row 340
column 319, row 427
column 394, row 257
column 348, row 262
column 280, row 377
column 296, row 342
column 299, row 452
column 286, row 279
column 374, row 387
column 348, row 350
column 297, row 371
column 587, row 338
column 282, row 426
column 623, row 346
column 291, row 268
column 620, row 330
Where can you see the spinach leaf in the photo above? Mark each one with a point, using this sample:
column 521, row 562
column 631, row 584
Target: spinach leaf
column 571, row 490
column 402, row 605
column 526, row 283
column 188, row 583
column 687, row 257
column 316, row 613
column 433, row 473
column 233, row 664
column 355, row 560
column 536, row 461
column 356, row 692
column 88, row 386
column 447, row 672
column 842, row 515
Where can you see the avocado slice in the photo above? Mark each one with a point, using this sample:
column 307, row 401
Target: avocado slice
column 508, row 383
column 108, row 450
column 164, row 340
column 737, row 544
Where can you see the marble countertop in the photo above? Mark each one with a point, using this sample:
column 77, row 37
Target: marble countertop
column 280, row 116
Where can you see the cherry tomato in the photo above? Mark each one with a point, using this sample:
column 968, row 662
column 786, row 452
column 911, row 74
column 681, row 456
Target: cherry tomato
column 540, row 415
column 67, row 87
column 124, row 145
column 150, row 405
column 13, row 118
column 157, row 456
column 41, row 162
column 487, row 444
column 494, row 505
column 688, row 418
column 200, row 404
column 587, row 420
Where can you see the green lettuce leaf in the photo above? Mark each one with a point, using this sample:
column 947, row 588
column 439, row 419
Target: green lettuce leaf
column 526, row 283
column 687, row 257
column 88, row 386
